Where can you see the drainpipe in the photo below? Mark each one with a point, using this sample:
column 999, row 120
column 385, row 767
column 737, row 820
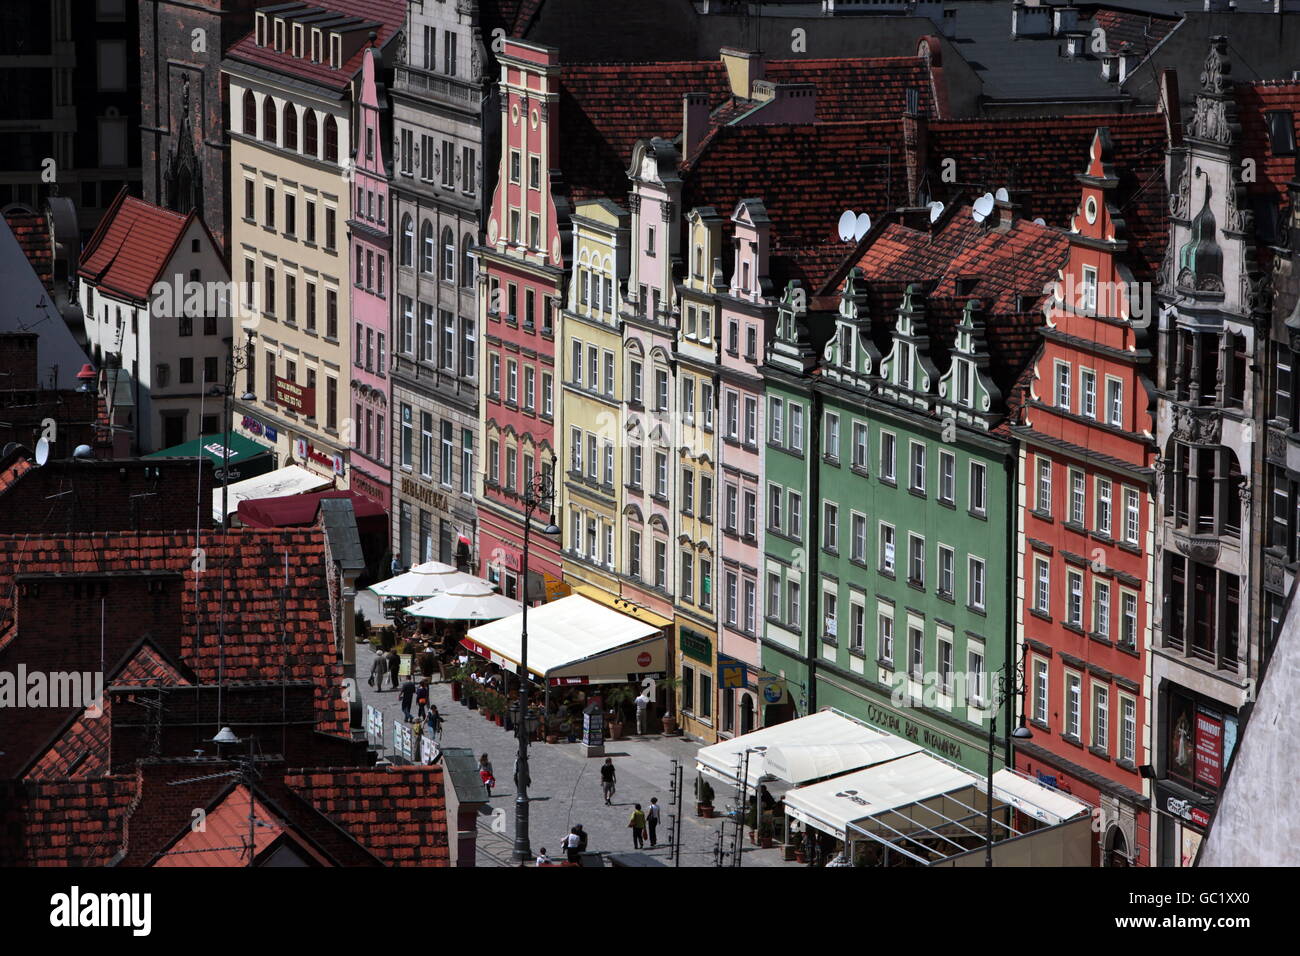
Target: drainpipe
column 1009, row 467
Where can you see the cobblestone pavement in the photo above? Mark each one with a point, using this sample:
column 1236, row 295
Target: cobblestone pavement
column 565, row 785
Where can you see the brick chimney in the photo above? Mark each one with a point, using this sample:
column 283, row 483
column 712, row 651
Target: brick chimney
column 916, row 145
column 695, row 121
column 17, row 360
column 743, row 68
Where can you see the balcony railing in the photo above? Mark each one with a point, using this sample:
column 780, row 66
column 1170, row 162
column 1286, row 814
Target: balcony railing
column 418, row 81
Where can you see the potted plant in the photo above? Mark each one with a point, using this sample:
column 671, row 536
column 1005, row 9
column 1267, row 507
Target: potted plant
column 765, row 834
column 669, row 718
column 619, row 699
column 703, row 798
column 800, row 853
column 787, row 852
column 472, row 691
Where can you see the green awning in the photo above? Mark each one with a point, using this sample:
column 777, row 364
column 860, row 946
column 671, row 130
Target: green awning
column 247, row 458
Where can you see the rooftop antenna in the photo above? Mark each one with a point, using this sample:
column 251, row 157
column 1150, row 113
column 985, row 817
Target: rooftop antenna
column 848, row 225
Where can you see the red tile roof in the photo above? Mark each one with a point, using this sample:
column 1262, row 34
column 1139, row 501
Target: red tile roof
column 11, row 475
column 83, row 749
column 605, row 108
column 1004, row 265
column 806, row 175
column 268, row 636
column 398, row 813
column 64, row 822
column 131, row 246
column 1254, row 100
column 389, row 15
column 33, row 235
column 223, row 841
column 1042, row 157
column 1136, row 29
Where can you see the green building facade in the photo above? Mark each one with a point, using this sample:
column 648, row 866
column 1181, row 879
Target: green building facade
column 901, row 495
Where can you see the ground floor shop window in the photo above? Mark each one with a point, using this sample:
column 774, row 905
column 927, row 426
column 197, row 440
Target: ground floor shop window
column 688, row 689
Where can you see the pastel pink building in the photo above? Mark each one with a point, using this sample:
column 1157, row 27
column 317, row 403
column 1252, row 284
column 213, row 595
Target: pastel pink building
column 370, row 247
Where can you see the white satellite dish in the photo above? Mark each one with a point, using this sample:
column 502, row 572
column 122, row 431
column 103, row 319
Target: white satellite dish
column 848, row 223
column 936, row 210
column 1040, row 221
column 862, row 227
column 983, row 206
column 42, row 451
column 1002, row 195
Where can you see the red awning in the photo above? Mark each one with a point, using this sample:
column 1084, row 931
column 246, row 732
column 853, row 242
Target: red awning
column 300, row 510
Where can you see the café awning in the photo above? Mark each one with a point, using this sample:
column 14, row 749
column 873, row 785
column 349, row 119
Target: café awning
column 799, row 751
column 288, row 511
column 289, row 480
column 574, row 640
column 245, row 457
column 1033, row 798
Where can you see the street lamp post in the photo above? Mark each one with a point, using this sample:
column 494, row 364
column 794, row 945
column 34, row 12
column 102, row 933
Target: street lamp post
column 540, row 489
column 1012, row 687
column 235, row 362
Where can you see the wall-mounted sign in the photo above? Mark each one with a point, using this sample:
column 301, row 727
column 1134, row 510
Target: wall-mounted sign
column 1185, row 811
column 695, row 645
column 295, row 397
column 772, row 689
column 896, row 724
column 425, row 495
column 254, row 427
column 1209, row 749
column 732, row 673
column 307, row 452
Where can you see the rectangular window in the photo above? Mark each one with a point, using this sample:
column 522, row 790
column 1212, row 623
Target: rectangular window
column 661, row 390
column 688, row 491
column 466, row 462
column 776, row 421
column 916, row 560
column 975, row 589
column 575, row 445
column 796, row 427
column 793, row 607
column 1103, row 506
column 1042, row 585
column 634, row 383
column 1088, row 386
column 773, row 595
column 1078, row 497
column 448, row 453
column 1041, row 691
column 1100, row 718
column 1128, row 729
column 1101, row 609
column 1074, row 598
column 945, row 664
column 858, row 542
column 796, row 514
column 1128, row 623
column 634, row 554
column 947, row 570
column 917, row 468
column 661, row 565
column 686, row 577
column 1044, row 495
column 426, row 444
column 530, row 387
column 830, row 526
column 857, row 627
column 706, row 405
column 831, row 436
column 978, row 472
column 947, row 477
column 1063, row 385
column 1115, row 402
column 830, row 614
column 548, row 407
column 885, row 625
column 975, row 672
column 661, row 474
column 887, row 548
column 774, row 496
column 751, row 603
column 751, row 517
column 1072, row 694
column 1132, row 512
column 887, row 456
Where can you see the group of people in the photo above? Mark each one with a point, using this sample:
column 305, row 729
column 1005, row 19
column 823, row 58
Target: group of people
column 644, row 824
column 385, row 664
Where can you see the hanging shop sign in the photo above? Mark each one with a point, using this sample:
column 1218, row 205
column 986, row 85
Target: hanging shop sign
column 773, row 689
column 733, row 673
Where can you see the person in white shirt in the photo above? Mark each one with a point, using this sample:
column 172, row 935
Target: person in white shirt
column 572, row 843
column 542, row 858
column 642, row 702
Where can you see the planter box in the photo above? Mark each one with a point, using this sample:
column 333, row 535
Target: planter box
column 787, row 853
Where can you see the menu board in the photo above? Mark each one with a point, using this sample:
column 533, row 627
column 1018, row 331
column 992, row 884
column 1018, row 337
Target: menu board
column 1209, row 749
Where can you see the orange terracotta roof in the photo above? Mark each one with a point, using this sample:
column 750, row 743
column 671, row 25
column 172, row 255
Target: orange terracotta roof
column 64, row 822
column 223, row 841
column 33, row 235
column 131, row 246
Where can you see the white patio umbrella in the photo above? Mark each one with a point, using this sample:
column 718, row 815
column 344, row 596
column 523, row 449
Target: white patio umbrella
column 423, row 580
column 472, row 600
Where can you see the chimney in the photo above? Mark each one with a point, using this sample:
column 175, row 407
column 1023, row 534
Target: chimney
column 1110, row 67
column 1009, row 210
column 695, row 121
column 1076, row 46
column 949, row 25
column 1030, row 21
column 17, row 360
column 1065, row 20
column 786, row 102
column 743, row 68
column 916, row 145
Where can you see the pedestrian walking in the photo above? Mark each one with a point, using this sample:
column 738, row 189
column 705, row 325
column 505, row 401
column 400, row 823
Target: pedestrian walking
column 433, row 722
column 394, row 665
column 396, row 567
column 652, row 821
column 408, row 694
column 637, row 823
column 378, row 668
column 572, row 845
column 421, row 698
column 607, row 780
column 485, row 773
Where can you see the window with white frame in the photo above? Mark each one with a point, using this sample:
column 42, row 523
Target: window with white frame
column 1103, row 506
column 944, row 642
column 885, row 625
column 661, row 474
column 975, row 582
column 858, row 538
column 1088, row 388
column 1072, row 703
column 1127, row 729
column 831, row 436
column 751, row 421
column 887, row 548
column 751, row 604
column 947, row 572
column 1041, row 690
column 796, row 514
column 857, row 627
column 634, row 554
column 793, row 607
column 661, row 565
column 860, row 446
column 975, row 677
column 978, row 474
column 773, row 595
column 947, row 477
column 796, row 427
column 1074, row 598
column 830, row 526
column 1114, row 402
column 1042, row 585
column 917, row 467
column 1101, row 608
column 1088, row 290
column 1132, row 513
column 686, row 576
column 1078, row 496
column 888, row 444
column 1100, row 717
column 1044, row 492
column 915, row 652
column 1128, row 619
column 1063, row 385
column 830, row 614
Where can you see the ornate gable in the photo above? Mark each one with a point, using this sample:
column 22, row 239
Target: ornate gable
column 967, row 386
column 907, row 369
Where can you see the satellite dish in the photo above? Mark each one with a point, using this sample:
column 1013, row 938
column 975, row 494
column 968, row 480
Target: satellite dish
column 936, row 210
column 862, row 227
column 1040, row 221
column 83, row 451
column 848, row 222
column 10, row 448
column 42, row 451
column 983, row 206
column 1002, row 195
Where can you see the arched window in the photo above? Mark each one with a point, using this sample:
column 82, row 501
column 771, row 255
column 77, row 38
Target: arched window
column 466, row 261
column 331, row 140
column 448, row 255
column 408, row 239
column 268, row 119
column 426, row 247
column 290, row 127
column 250, row 113
column 310, row 134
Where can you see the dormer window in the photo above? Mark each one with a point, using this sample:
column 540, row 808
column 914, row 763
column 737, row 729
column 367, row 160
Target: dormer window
column 1281, row 132
column 966, row 285
column 699, row 262
column 336, row 51
column 965, row 392
column 846, row 347
column 744, row 277
column 297, row 40
column 315, row 46
column 261, row 29
column 279, row 36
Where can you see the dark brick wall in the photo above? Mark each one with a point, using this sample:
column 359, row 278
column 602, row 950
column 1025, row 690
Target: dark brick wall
column 123, row 495
column 18, row 360
column 22, row 412
column 167, row 56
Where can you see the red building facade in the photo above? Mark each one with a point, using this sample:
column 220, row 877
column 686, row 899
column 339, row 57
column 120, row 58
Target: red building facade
column 1085, row 525
column 521, row 275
